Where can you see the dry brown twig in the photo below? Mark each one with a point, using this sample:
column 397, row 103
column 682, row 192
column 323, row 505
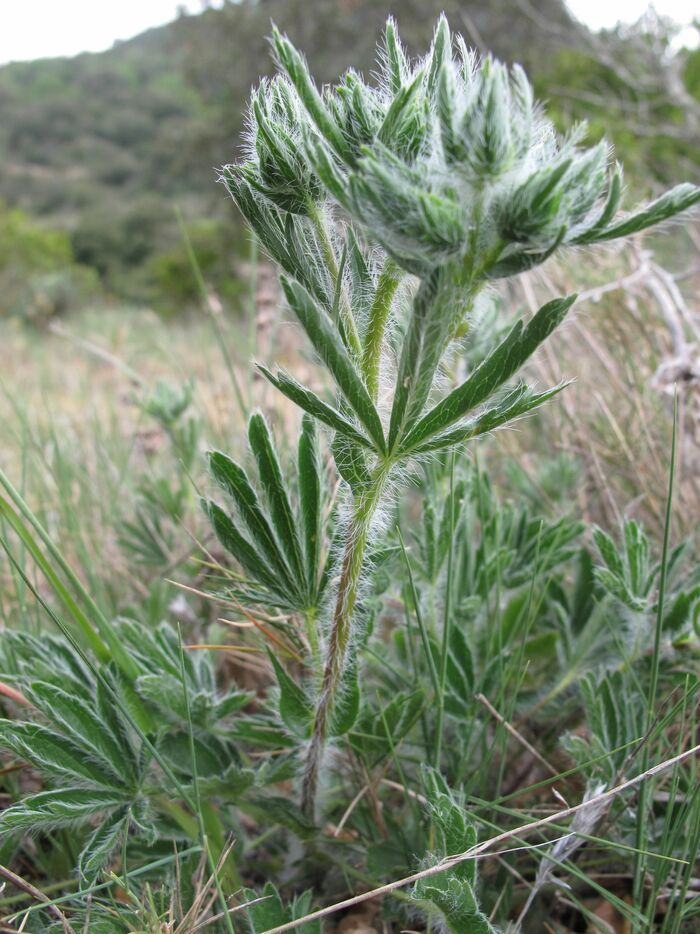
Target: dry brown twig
column 512, row 731
column 35, row 893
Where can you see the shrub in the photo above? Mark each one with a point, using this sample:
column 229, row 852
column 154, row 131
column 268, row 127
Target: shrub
column 38, row 276
column 175, row 285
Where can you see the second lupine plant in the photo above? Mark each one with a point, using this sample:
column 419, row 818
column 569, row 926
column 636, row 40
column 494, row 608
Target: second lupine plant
column 390, row 208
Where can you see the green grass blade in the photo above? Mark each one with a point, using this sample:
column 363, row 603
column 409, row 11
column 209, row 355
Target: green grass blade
column 95, row 629
column 644, row 791
column 446, row 622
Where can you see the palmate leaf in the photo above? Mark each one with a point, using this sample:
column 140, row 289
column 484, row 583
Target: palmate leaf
column 296, row 709
column 347, row 705
column 268, row 911
column 233, row 480
column 460, row 676
column 59, row 808
column 351, row 463
column 519, row 260
column 231, row 703
column 629, row 575
column 428, row 543
column 159, row 650
column 310, row 487
column 516, row 403
column 377, row 306
column 164, row 690
column 614, row 711
column 211, row 754
column 56, row 755
column 328, row 344
column 231, row 784
column 307, row 400
column 608, row 210
column 609, row 552
column 668, row 205
column 277, row 552
column 500, row 365
column 27, row 657
column 637, row 548
column 263, row 730
column 308, row 263
column 270, row 473
column 361, row 282
column 453, row 892
column 394, row 720
column 82, row 723
column 682, row 611
column 101, row 845
column 111, row 716
column 289, row 240
column 234, row 542
column 537, row 545
column 457, row 902
column 156, row 648
column 280, row 810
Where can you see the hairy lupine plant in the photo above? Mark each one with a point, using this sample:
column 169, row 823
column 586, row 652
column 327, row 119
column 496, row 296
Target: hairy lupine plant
column 390, row 208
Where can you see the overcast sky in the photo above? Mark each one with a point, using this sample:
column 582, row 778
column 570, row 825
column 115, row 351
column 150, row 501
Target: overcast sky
column 39, row 28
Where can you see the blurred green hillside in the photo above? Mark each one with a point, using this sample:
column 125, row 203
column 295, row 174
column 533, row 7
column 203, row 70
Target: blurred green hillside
column 101, row 148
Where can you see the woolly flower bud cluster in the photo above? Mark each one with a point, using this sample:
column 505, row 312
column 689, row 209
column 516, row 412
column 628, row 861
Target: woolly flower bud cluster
column 278, row 168
column 446, row 160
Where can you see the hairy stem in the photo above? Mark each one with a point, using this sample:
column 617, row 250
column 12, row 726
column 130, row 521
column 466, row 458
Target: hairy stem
column 310, row 618
column 365, row 506
column 379, row 312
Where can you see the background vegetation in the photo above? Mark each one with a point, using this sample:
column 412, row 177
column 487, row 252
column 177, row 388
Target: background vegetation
column 104, row 146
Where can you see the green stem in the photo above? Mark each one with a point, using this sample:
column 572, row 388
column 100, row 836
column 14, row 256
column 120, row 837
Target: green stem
column 365, row 506
column 378, row 314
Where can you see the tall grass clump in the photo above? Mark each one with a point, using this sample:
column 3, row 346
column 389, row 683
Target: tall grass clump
column 391, row 209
